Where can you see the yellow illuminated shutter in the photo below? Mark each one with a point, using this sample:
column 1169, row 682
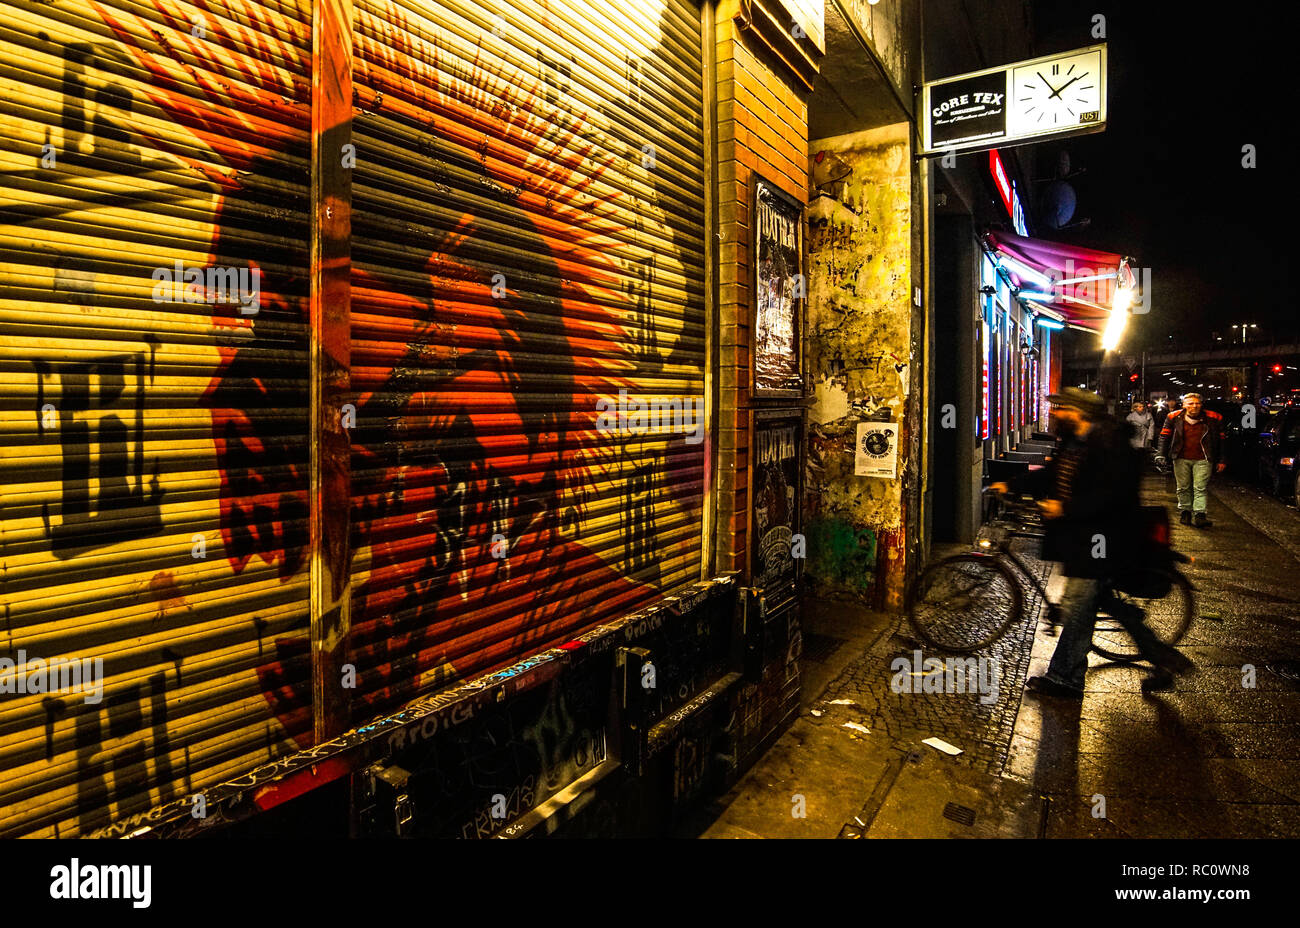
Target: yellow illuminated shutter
column 527, row 242
column 527, row 253
column 153, row 431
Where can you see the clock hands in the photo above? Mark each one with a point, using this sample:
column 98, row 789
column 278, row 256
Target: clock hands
column 1047, row 85
column 1057, row 92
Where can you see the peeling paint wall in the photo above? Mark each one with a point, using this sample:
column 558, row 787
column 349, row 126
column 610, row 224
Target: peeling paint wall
column 863, row 357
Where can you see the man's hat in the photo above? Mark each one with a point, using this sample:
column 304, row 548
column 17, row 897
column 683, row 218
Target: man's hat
column 1079, row 399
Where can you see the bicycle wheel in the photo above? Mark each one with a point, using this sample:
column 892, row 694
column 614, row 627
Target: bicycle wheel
column 964, row 602
column 1169, row 617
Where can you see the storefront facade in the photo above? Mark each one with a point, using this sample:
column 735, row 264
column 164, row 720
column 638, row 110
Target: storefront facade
column 359, row 351
column 441, row 406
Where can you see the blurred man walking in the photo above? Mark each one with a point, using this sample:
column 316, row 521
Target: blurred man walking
column 1090, row 513
column 1195, row 440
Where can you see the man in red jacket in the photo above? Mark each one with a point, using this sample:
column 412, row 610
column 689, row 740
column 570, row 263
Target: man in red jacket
column 1194, row 439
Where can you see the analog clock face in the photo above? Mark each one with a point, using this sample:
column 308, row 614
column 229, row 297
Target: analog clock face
column 1056, row 94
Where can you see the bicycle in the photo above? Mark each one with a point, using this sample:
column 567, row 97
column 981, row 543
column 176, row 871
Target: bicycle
column 967, row 601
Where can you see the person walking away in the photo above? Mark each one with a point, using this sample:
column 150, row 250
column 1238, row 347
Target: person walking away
column 1090, row 512
column 1144, row 427
column 1195, row 439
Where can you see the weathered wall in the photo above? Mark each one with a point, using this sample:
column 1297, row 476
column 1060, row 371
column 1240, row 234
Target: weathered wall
column 861, row 358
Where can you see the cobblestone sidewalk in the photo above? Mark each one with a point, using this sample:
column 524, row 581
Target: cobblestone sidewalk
column 982, row 729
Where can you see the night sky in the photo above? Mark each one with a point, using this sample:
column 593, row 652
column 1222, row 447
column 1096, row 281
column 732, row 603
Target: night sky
column 1189, row 86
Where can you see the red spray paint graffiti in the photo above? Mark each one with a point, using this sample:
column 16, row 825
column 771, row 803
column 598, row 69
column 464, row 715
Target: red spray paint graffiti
column 451, row 474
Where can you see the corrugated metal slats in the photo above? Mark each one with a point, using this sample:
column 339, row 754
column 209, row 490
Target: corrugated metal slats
column 529, row 154
column 527, row 212
column 134, row 136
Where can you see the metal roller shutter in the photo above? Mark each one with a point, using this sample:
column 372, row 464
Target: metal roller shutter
column 153, row 449
column 527, row 240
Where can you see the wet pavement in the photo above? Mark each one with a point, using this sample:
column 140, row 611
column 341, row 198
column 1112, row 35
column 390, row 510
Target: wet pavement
column 1217, row 757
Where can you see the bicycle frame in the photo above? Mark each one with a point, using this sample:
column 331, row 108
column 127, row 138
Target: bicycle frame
column 1003, row 549
column 1109, row 601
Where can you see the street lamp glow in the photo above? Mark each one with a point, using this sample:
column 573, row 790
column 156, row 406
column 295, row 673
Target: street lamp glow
column 1114, row 329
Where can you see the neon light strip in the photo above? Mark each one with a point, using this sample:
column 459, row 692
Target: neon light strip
column 1022, row 270
column 1079, row 280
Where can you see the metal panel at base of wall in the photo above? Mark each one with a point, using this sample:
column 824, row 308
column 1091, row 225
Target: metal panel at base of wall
column 502, row 753
column 154, row 171
column 721, row 733
column 771, row 701
column 544, row 747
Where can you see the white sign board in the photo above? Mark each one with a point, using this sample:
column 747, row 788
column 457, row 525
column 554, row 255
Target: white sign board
column 876, row 450
column 1049, row 96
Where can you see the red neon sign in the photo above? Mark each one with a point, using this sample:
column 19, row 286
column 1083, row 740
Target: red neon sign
column 1000, row 179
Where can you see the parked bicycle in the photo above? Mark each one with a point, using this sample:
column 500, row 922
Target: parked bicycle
column 967, row 601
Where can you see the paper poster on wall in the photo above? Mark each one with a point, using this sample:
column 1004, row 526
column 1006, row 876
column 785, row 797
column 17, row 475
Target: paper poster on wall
column 779, row 291
column 876, row 450
column 775, row 452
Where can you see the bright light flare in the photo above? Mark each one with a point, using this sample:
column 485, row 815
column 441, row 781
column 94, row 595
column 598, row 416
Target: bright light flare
column 1114, row 329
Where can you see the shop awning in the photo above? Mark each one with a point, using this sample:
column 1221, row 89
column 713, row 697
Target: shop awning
column 1077, row 284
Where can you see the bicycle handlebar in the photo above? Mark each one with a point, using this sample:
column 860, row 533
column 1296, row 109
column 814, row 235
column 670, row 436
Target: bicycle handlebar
column 1012, row 503
column 1009, row 501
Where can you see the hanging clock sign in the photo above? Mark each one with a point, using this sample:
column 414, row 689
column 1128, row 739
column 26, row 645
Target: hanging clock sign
column 1063, row 94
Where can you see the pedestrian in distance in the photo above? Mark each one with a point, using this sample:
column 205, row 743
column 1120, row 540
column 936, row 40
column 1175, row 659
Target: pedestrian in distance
column 1144, row 427
column 1195, row 440
column 1159, row 413
column 1091, row 514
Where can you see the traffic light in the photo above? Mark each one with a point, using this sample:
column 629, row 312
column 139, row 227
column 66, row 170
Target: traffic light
column 1132, row 378
column 1277, row 368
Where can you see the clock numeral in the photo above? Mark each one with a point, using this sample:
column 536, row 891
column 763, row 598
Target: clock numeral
column 1056, row 69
